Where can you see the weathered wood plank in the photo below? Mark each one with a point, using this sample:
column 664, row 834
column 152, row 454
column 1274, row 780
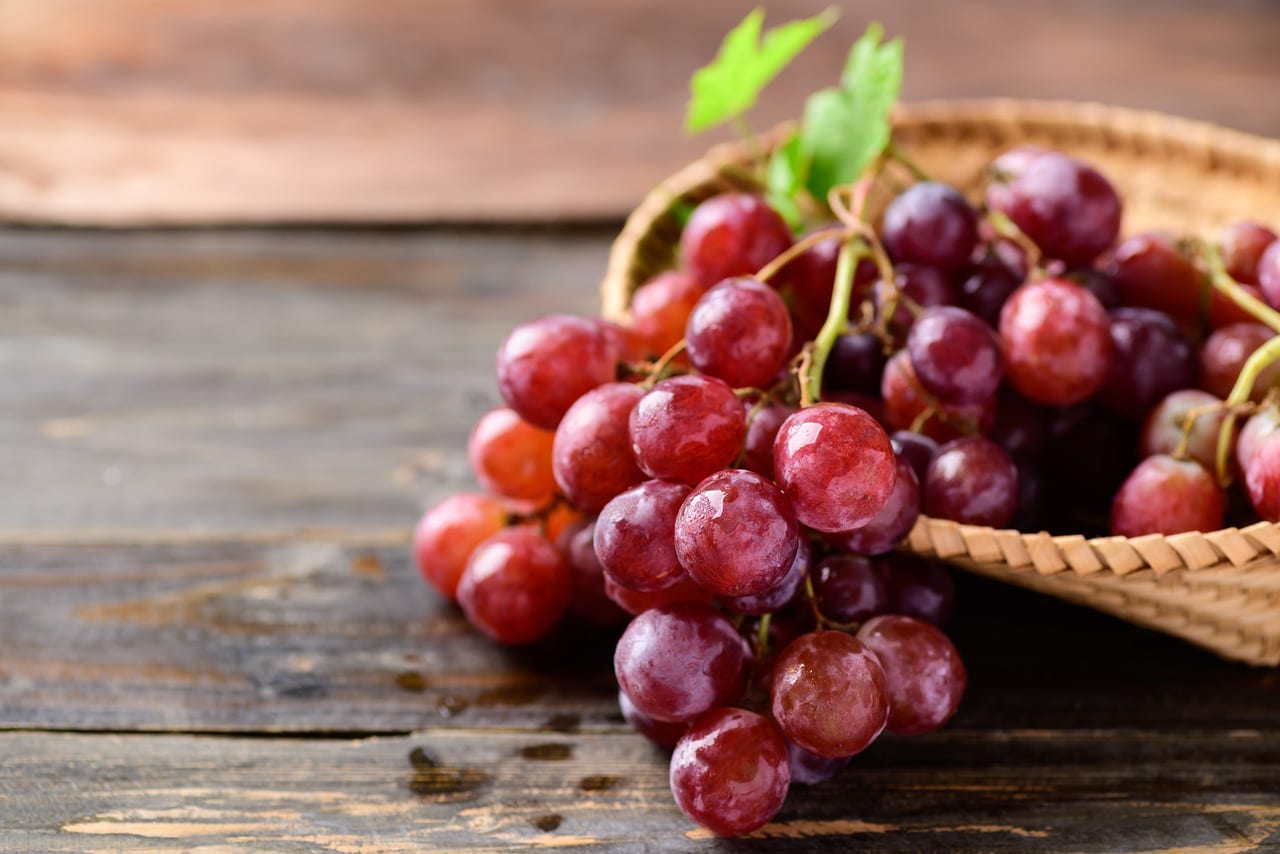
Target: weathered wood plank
column 438, row 789
column 321, row 636
column 223, row 381
column 128, row 111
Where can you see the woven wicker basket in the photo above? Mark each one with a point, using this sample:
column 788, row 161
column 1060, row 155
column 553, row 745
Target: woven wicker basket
column 1220, row 590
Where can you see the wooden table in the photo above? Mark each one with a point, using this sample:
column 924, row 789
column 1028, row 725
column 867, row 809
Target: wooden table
column 215, row 440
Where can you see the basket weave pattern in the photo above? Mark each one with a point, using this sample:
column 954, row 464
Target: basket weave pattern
column 1220, row 589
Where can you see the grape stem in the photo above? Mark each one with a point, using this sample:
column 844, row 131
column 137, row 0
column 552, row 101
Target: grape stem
column 664, row 361
column 768, row 271
column 1189, row 424
column 1240, row 392
column 1231, row 289
column 836, row 324
column 1007, row 229
column 762, row 636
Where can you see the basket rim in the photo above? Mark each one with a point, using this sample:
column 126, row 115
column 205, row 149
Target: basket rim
column 1046, row 554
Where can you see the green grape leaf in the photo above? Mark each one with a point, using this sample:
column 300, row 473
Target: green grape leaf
column 784, row 180
column 728, row 86
column 845, row 129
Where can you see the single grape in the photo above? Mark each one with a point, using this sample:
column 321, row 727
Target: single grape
column 547, row 364
column 779, row 594
column 1150, row 358
column 810, row 769
column 1162, row 431
column 917, row 587
column 905, row 405
column 512, row 457
column 736, row 534
column 894, row 522
column 1056, row 342
column 448, row 533
column 829, row 694
column 923, row 672
column 1262, row 478
column 836, row 465
column 1224, row 354
column 855, row 363
column 591, row 453
column 1269, row 274
column 955, row 355
column 1021, row 427
column 740, row 331
column 762, row 429
column 987, row 288
column 733, row 234
column 636, row 602
column 687, row 427
column 1065, row 206
column 590, row 602
column 660, row 308
column 730, row 772
column 925, row 286
column 635, row 535
column 916, row 448
column 678, row 661
column 665, row 734
column 849, row 589
column 930, row 223
column 1152, row 272
column 972, row 481
column 1164, row 495
column 1243, row 244
column 1254, row 431
column 515, row 587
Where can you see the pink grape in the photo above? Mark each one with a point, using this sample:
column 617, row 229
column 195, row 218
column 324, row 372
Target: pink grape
column 448, row 533
column 515, row 587
column 972, row 481
column 591, row 453
column 1254, row 431
column 662, row 733
column 733, row 234
column 1243, row 244
column 1262, row 478
column 590, row 602
column 687, row 427
column 1056, row 342
column 1164, row 495
column 740, row 331
column 1162, row 431
column 924, row 675
column 635, row 535
column 512, row 457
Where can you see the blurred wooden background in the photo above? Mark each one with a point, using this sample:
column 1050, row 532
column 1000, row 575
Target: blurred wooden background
column 119, row 112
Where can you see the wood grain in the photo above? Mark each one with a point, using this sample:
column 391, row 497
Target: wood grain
column 135, row 111
column 446, row 789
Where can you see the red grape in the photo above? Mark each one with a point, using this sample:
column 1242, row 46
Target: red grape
column 636, row 602
column 736, row 534
column 512, row 457
column 904, row 403
column 1162, row 431
column 1224, row 354
column 779, row 594
column 733, row 234
column 1262, row 478
column 687, row 427
column 1152, row 272
column 515, row 587
column 449, row 532
column 729, row 772
column 1150, row 358
column 739, row 331
column 987, row 288
column 848, row 589
column 660, row 308
column 972, row 481
column 590, row 602
column 955, row 355
column 810, row 277
column 1269, row 274
column 930, row 223
column 591, row 454
column 1243, row 244
column 836, row 465
column 762, row 429
column 925, row 286
column 1056, row 340
column 894, row 522
column 546, row 364
column 1164, row 495
column 1254, row 431
column 635, row 535
column 923, row 672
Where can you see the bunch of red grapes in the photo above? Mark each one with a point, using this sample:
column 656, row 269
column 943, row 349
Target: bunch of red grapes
column 665, row 470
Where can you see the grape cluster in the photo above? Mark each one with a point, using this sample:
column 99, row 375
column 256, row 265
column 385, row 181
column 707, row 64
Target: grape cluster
column 1000, row 364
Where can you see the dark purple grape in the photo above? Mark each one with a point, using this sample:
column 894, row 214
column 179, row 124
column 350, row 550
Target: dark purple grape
column 810, row 769
column 591, row 453
column 1150, row 358
column 923, row 672
column 662, row 733
column 917, row 588
column 762, row 429
column 836, row 465
column 635, row 535
column 1099, row 283
column 1090, row 450
column 736, row 534
column 955, row 354
column 740, row 331
column 1164, row 495
column 972, row 481
column 829, row 694
column 779, row 594
column 730, row 772
column 686, row 427
column 1031, row 498
column 547, row 364
column 733, row 234
column 1021, row 426
column 1056, row 341
column 894, row 522
column 590, row 602
column 925, row 286
column 986, row 290
column 855, row 363
column 916, row 448
column 930, row 223
column 849, row 589
column 678, row 661
column 515, row 587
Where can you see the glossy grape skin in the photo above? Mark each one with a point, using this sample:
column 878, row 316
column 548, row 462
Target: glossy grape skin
column 1164, row 495
column 972, row 481
column 924, row 675
column 930, row 223
column 1056, row 342
column 547, row 364
column 810, row 769
column 1243, row 244
column 678, row 661
column 448, row 533
column 1065, row 206
column 1151, row 272
column 687, row 427
column 635, row 535
column 1262, row 478
column 590, row 602
column 916, row 448
column 986, row 289
column 1269, row 274
column 1150, row 358
column 1224, row 354
column 729, row 772
column 855, row 363
column 917, row 588
column 515, row 587
column 591, row 453
column 762, row 429
column 740, row 331
column 733, row 234
column 829, row 694
column 955, row 355
column 836, row 465
column 660, row 309
column 1254, row 431
column 665, row 734
column 894, row 522
column 736, row 534
column 1162, row 431
column 779, row 594
column 512, row 457
column 849, row 589
column 636, row 602
column 926, row 286
column 904, row 404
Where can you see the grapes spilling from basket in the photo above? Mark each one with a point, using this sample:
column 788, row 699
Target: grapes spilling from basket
column 728, row 468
